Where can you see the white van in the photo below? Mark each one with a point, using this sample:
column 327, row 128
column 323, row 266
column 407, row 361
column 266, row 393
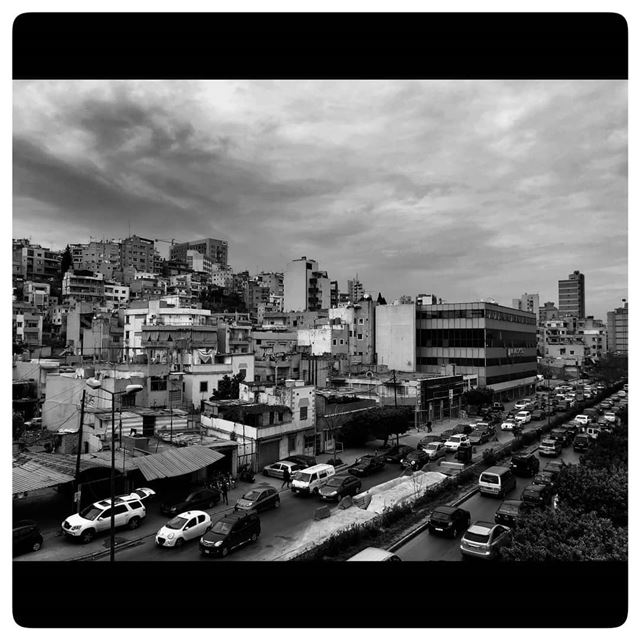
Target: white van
column 496, row 481
column 308, row 481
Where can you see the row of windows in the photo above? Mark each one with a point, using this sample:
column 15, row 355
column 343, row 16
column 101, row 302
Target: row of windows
column 474, row 338
column 511, row 376
column 476, row 362
column 490, row 314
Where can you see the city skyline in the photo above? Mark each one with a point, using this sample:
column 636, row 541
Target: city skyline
column 464, row 189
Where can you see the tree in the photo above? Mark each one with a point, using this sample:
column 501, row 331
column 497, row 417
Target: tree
column 610, row 368
column 477, row 397
column 356, row 431
column 18, row 425
column 566, row 535
column 381, row 300
column 228, row 388
column 388, row 421
column 66, row 262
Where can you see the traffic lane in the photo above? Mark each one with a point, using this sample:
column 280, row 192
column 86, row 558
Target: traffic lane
column 425, row 547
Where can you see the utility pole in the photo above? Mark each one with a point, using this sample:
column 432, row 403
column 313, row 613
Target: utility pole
column 77, row 496
column 395, row 402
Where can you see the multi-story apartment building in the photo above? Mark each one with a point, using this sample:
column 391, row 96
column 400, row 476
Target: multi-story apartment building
column 571, row 300
column 360, row 320
column 355, row 289
column 27, row 325
column 87, row 286
column 548, row 312
column 222, row 276
column 216, row 250
column 306, row 288
column 37, row 294
column 273, row 280
column 199, row 262
column 101, row 256
column 255, row 294
column 116, row 295
column 139, row 253
column 36, row 263
column 618, row 329
column 528, row 302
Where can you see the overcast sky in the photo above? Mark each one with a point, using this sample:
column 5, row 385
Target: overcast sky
column 465, row 189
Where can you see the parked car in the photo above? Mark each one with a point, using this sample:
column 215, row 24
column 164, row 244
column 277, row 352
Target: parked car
column 26, row 537
column 610, row 416
column 582, row 442
column 522, row 404
column 523, row 417
column 555, row 467
column 484, row 540
column 448, row 521
column 339, row 486
column 229, row 533
column 582, row 419
column 276, row 470
column 496, row 481
column 428, row 439
column 463, row 427
column 455, row 441
column 545, row 477
column 303, row 461
column 96, row 518
column 538, row 414
column 539, row 495
column 508, row 424
column 509, row 512
column 479, row 436
column 185, row 526
column 550, row 447
column 415, row 459
column 310, row 480
column 561, row 434
column 445, row 435
column 144, row 494
column 367, row 465
column 397, row 452
column 435, row 450
column 497, row 406
column 260, row 498
column 198, row 499
column 525, row 465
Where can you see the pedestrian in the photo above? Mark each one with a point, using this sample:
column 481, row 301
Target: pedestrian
column 429, row 429
column 286, row 478
column 224, row 490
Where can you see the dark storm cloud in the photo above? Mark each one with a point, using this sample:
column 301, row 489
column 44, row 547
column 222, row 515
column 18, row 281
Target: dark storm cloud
column 457, row 188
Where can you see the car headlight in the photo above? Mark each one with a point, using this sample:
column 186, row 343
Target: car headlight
column 173, row 509
column 170, row 536
column 76, row 527
column 218, row 544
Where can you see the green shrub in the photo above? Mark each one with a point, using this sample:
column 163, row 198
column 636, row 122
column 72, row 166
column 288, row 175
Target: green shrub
column 489, row 457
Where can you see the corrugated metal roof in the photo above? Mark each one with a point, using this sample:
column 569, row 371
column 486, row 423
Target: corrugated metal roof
column 30, row 476
column 177, row 462
column 60, row 462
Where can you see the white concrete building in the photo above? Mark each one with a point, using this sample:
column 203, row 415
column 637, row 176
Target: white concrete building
column 395, row 336
column 115, row 295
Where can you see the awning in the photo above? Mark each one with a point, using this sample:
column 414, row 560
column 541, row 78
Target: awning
column 177, row 462
column 30, row 476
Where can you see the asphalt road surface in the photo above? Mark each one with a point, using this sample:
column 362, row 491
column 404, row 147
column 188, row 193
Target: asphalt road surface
column 427, row 547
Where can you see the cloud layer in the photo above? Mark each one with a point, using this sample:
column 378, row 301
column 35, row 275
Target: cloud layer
column 466, row 189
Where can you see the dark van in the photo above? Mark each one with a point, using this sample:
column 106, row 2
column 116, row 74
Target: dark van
column 232, row 531
column 581, row 442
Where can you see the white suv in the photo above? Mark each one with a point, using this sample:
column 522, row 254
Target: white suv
column 96, row 518
column 454, row 442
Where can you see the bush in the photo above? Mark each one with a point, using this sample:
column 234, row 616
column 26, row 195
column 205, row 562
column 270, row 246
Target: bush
column 489, row 457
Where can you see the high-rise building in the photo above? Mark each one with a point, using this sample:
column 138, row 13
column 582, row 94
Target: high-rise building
column 618, row 329
column 571, row 295
column 527, row 302
column 356, row 289
column 306, row 288
column 139, row 253
column 216, row 250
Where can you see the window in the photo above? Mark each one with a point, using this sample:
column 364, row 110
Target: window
column 335, row 342
column 158, row 384
column 359, row 336
column 204, row 386
column 271, row 417
column 120, row 508
column 292, row 443
column 341, row 341
column 303, row 413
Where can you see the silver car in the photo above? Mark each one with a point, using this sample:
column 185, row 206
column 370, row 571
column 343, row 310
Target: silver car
column 276, row 470
column 484, row 540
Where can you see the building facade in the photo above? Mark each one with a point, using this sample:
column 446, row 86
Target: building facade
column 306, row 288
column 528, row 302
column 618, row 329
column 571, row 301
column 216, row 250
column 395, row 336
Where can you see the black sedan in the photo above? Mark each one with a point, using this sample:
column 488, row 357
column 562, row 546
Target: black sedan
column 366, row 465
column 448, row 521
column 539, row 495
column 260, row 498
column 26, row 537
column 509, row 512
column 525, row 466
column 339, row 486
column 544, row 477
column 479, row 436
column 397, row 452
column 555, row 467
column 416, row 459
column 198, row 499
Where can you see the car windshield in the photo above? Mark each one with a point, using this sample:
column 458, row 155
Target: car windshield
column 303, row 477
column 335, row 482
column 476, row 537
column 252, row 495
column 176, row 523
column 90, row 512
column 510, row 509
column 432, row 446
column 222, row 527
column 490, row 478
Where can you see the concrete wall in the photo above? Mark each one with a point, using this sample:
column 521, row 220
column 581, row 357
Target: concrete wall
column 395, row 336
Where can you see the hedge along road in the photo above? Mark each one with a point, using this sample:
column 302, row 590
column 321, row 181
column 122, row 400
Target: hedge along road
column 427, row 547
